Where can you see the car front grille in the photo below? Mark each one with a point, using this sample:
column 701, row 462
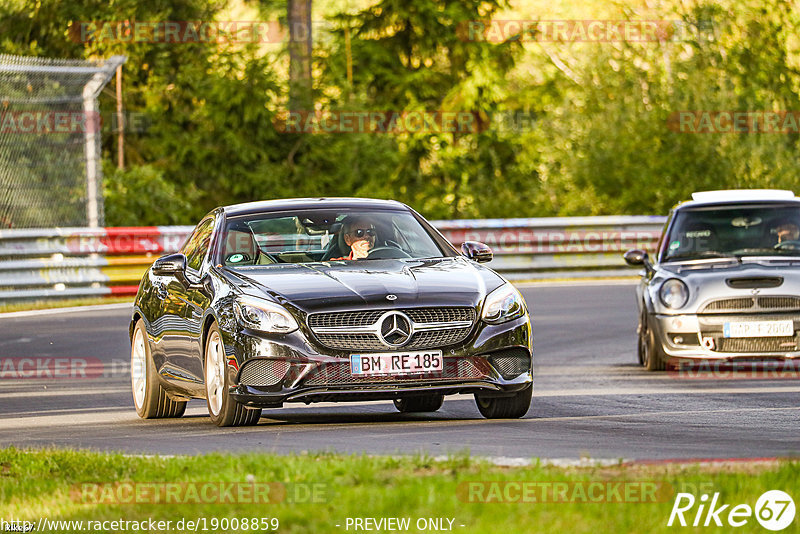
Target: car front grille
column 338, row 373
column 753, row 304
column 351, row 341
column 432, row 336
column 358, row 318
column 712, row 326
column 757, row 344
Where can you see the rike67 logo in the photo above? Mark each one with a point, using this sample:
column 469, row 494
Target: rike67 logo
column 774, row 510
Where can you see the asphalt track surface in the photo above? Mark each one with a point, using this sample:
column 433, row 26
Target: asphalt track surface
column 591, row 399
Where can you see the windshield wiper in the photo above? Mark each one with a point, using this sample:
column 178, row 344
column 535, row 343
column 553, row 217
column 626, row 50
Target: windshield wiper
column 703, row 255
column 749, row 251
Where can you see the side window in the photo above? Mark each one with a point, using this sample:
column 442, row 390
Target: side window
column 197, row 245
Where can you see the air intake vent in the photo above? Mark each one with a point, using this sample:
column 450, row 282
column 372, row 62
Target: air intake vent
column 263, row 372
column 755, row 282
column 511, row 363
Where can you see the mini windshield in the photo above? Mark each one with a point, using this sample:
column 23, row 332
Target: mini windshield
column 734, row 231
column 325, row 235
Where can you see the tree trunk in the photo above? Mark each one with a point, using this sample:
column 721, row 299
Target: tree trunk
column 300, row 81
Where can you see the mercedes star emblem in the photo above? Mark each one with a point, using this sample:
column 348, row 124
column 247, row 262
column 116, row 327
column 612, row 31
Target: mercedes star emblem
column 396, row 329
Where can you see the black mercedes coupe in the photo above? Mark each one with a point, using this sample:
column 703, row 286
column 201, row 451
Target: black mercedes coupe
column 311, row 300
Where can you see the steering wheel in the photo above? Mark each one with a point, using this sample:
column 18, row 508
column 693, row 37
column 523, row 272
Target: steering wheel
column 788, row 245
column 387, row 253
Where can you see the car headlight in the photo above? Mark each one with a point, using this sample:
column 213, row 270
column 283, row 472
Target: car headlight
column 674, row 293
column 503, row 304
column 264, row 316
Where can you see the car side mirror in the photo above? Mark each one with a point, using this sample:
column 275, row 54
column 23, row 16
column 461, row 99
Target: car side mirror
column 171, row 264
column 637, row 258
column 477, row 251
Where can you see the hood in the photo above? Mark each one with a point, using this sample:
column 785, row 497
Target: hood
column 346, row 284
column 732, row 278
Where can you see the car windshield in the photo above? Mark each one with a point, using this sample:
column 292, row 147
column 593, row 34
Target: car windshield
column 734, row 231
column 325, row 235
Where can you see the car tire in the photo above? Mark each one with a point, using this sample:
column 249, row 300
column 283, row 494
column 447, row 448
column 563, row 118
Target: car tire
column 149, row 397
column 223, row 410
column 505, row 407
column 650, row 356
column 429, row 403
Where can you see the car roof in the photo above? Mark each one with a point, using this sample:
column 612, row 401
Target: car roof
column 739, row 196
column 312, row 203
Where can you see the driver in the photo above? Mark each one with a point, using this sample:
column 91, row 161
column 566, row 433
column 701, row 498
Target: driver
column 787, row 231
column 359, row 235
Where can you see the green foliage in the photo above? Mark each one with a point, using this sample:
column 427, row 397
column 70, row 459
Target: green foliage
column 598, row 135
column 615, row 146
column 141, row 196
column 318, row 491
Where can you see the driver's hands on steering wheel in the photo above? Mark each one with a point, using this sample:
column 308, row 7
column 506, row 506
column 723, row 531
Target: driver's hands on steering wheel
column 361, row 249
column 789, row 245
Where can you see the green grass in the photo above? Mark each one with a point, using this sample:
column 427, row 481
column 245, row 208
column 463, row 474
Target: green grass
column 46, row 483
column 65, row 303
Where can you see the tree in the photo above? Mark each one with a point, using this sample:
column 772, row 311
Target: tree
column 300, row 54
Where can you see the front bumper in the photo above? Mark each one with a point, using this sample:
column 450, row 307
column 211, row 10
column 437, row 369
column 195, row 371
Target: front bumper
column 310, row 374
column 700, row 337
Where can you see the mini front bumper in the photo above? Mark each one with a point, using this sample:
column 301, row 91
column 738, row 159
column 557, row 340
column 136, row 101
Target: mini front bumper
column 695, row 345
column 304, row 358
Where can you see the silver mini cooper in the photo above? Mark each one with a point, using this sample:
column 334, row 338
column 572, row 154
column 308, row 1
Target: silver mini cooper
column 725, row 280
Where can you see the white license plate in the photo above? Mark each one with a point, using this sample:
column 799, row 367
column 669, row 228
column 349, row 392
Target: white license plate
column 397, row 363
column 759, row 329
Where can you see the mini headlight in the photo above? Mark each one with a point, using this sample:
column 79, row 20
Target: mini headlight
column 503, row 304
column 264, row 316
column 674, row 293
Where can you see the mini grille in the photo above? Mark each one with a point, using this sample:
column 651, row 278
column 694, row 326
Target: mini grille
column 511, row 363
column 753, row 304
column 262, row 372
column 757, row 344
column 779, row 303
column 730, row 304
column 338, row 373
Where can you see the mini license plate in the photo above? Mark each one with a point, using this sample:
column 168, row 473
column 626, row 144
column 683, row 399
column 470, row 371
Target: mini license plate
column 759, row 329
column 397, row 363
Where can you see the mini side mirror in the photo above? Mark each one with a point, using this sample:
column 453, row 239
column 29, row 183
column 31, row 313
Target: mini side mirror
column 169, row 265
column 636, row 257
column 477, row 251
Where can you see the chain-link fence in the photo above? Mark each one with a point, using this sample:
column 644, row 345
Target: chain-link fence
column 50, row 157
